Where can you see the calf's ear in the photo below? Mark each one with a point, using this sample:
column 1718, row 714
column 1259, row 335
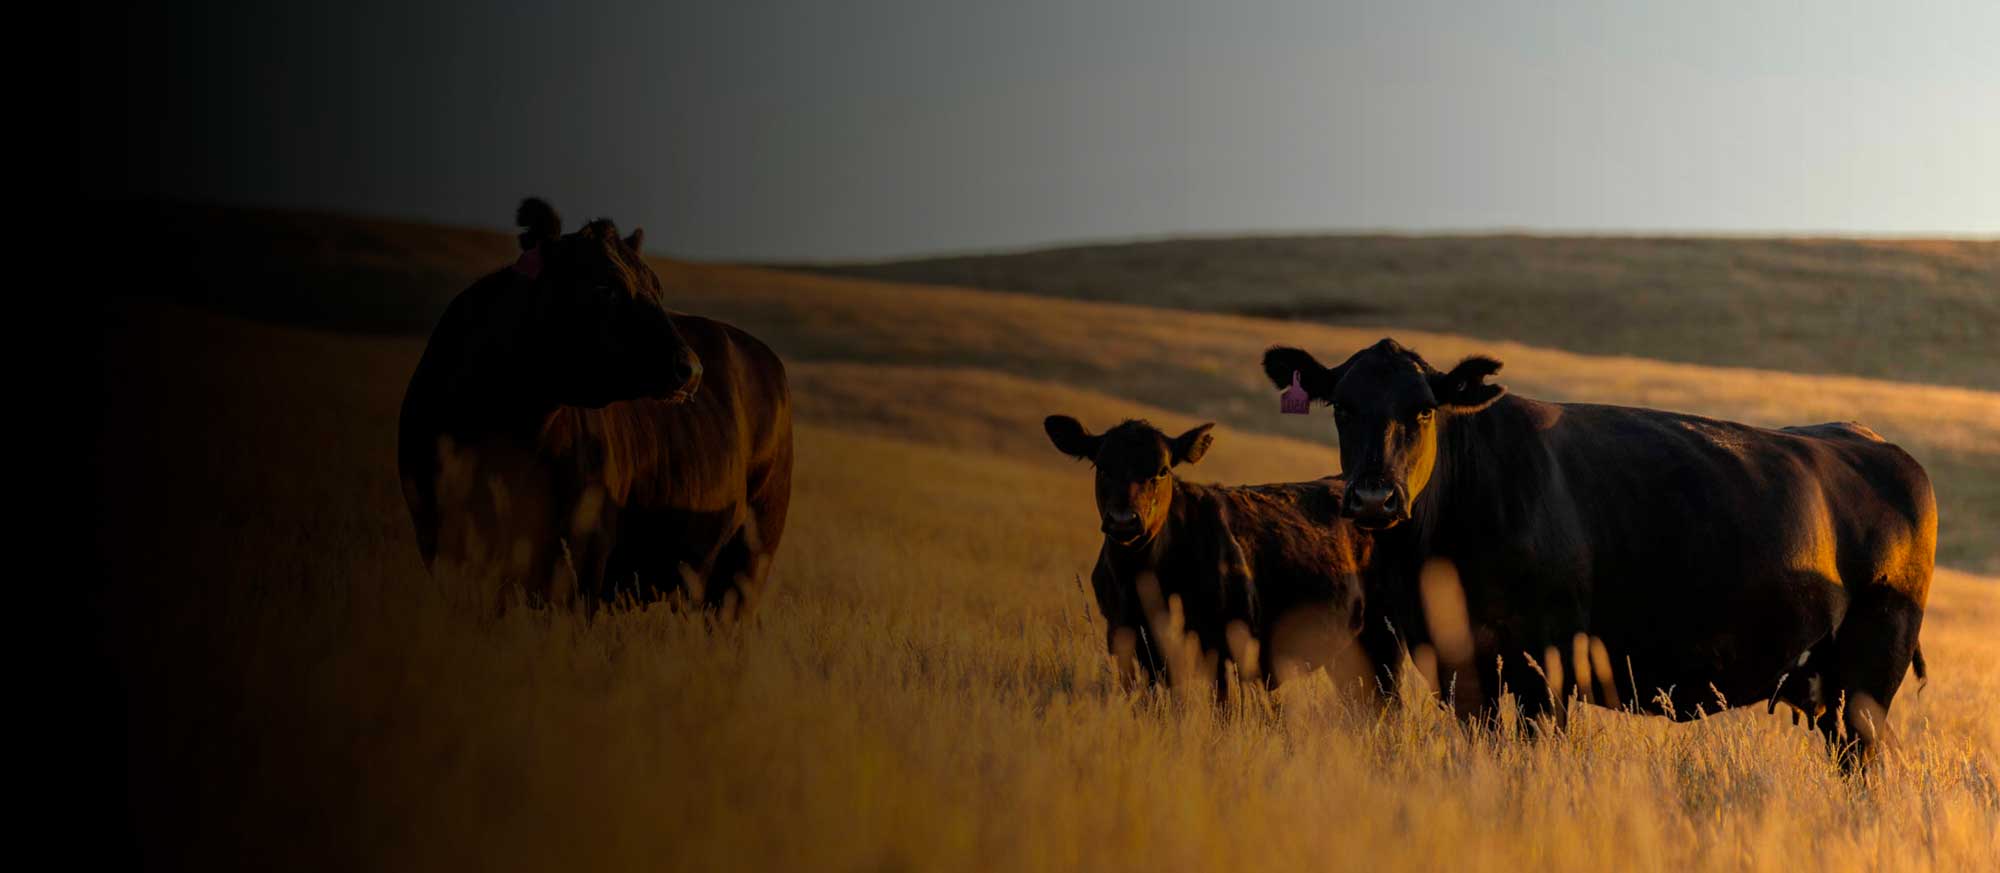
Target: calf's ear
column 1464, row 388
column 1070, row 438
column 1280, row 362
column 1189, row 447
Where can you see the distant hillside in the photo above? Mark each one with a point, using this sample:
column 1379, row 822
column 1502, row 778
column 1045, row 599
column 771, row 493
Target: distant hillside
column 1910, row 310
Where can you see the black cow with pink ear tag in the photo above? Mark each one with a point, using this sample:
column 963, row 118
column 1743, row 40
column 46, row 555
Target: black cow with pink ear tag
column 1711, row 563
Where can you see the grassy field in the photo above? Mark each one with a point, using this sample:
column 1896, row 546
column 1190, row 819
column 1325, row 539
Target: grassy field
column 1910, row 310
column 928, row 689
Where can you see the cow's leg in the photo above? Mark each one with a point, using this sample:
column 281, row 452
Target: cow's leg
column 655, row 555
column 1873, row 648
column 1554, row 687
column 1555, row 660
column 736, row 576
column 591, row 541
column 1533, row 695
column 1478, row 695
column 1511, row 663
column 739, row 568
column 1534, row 668
column 590, row 562
column 622, row 578
column 768, row 494
column 1223, row 667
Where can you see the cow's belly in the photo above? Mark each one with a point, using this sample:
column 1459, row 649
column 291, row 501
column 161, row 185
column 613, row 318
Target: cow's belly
column 1725, row 639
column 1674, row 634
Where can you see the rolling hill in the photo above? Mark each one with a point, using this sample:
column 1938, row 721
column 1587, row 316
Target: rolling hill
column 1907, row 310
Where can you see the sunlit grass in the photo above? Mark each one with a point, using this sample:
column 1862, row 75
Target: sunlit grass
column 926, row 689
column 925, row 693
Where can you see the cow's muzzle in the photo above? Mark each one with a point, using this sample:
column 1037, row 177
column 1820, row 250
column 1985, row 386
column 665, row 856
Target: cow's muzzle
column 1121, row 525
column 1376, row 505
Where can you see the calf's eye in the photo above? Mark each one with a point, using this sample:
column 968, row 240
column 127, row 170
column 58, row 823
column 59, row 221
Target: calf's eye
column 1162, row 474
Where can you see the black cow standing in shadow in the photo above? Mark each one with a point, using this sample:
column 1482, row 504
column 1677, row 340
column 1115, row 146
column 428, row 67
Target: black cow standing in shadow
column 1700, row 563
column 1194, row 578
column 565, row 426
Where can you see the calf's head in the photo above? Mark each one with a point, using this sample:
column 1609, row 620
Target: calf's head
column 1133, row 461
column 1387, row 407
column 599, row 332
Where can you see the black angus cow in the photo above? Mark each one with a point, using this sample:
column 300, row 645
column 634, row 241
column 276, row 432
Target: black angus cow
column 564, row 425
column 1194, row 577
column 1702, row 563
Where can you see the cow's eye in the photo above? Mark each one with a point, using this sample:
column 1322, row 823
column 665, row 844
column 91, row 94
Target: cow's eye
column 1426, row 414
column 1162, row 474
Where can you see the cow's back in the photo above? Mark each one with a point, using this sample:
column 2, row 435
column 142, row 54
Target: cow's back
column 1309, row 571
column 1671, row 492
column 696, row 455
column 1291, row 535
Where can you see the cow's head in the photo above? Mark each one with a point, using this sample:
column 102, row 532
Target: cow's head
column 600, row 333
column 1387, row 405
column 1133, row 460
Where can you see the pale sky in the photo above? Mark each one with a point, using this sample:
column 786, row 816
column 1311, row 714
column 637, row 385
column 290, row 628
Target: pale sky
column 876, row 128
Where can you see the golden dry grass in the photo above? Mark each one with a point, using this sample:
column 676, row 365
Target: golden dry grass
column 927, row 690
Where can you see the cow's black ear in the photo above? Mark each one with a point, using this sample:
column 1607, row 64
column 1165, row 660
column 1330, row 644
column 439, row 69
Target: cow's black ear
column 538, row 221
column 1464, row 388
column 1070, row 438
column 1189, row 447
column 1280, row 362
column 637, row 239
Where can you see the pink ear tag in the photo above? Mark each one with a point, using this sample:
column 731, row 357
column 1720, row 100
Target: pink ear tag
column 530, row 264
column 1294, row 401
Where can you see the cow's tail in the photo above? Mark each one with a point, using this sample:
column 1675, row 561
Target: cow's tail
column 1917, row 664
